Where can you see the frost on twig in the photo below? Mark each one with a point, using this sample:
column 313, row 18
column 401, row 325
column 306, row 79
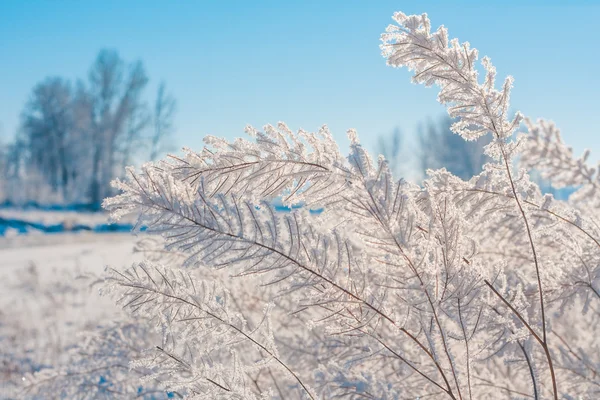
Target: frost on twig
column 544, row 151
column 436, row 59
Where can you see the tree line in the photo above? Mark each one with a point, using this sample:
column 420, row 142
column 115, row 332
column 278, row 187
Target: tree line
column 436, row 147
column 74, row 139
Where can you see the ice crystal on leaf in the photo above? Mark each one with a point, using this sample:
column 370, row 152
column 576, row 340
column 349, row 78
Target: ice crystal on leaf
column 277, row 161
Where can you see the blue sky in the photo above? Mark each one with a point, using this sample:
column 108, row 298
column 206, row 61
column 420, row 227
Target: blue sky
column 304, row 62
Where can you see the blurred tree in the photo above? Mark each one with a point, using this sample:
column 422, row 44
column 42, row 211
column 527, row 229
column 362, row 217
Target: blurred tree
column 116, row 101
column 391, row 148
column 11, row 168
column 164, row 112
column 437, row 147
column 440, row 147
column 47, row 125
column 73, row 141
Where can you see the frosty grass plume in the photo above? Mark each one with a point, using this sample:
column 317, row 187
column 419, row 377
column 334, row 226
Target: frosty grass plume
column 475, row 289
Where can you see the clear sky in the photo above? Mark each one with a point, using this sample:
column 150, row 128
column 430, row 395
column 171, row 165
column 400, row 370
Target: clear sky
column 307, row 63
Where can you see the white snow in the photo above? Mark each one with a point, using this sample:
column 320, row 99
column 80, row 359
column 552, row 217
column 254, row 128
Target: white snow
column 46, row 297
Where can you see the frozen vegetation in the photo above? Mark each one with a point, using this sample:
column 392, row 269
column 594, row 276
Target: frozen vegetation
column 375, row 287
column 47, row 302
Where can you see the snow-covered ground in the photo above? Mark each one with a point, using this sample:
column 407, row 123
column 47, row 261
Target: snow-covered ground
column 15, row 221
column 47, row 296
column 54, row 217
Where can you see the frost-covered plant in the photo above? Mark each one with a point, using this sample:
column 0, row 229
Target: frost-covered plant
column 37, row 318
column 375, row 287
column 544, row 151
column 99, row 367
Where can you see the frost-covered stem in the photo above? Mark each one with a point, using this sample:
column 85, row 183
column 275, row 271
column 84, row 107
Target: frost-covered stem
column 544, row 342
column 189, row 368
column 533, row 251
column 196, row 175
column 560, row 217
column 366, row 303
column 423, row 288
column 447, row 391
column 533, row 333
column 316, row 274
column 509, row 390
column 460, row 92
column 527, row 359
column 272, row 355
column 551, row 366
column 462, row 325
column 433, row 310
column 531, row 372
